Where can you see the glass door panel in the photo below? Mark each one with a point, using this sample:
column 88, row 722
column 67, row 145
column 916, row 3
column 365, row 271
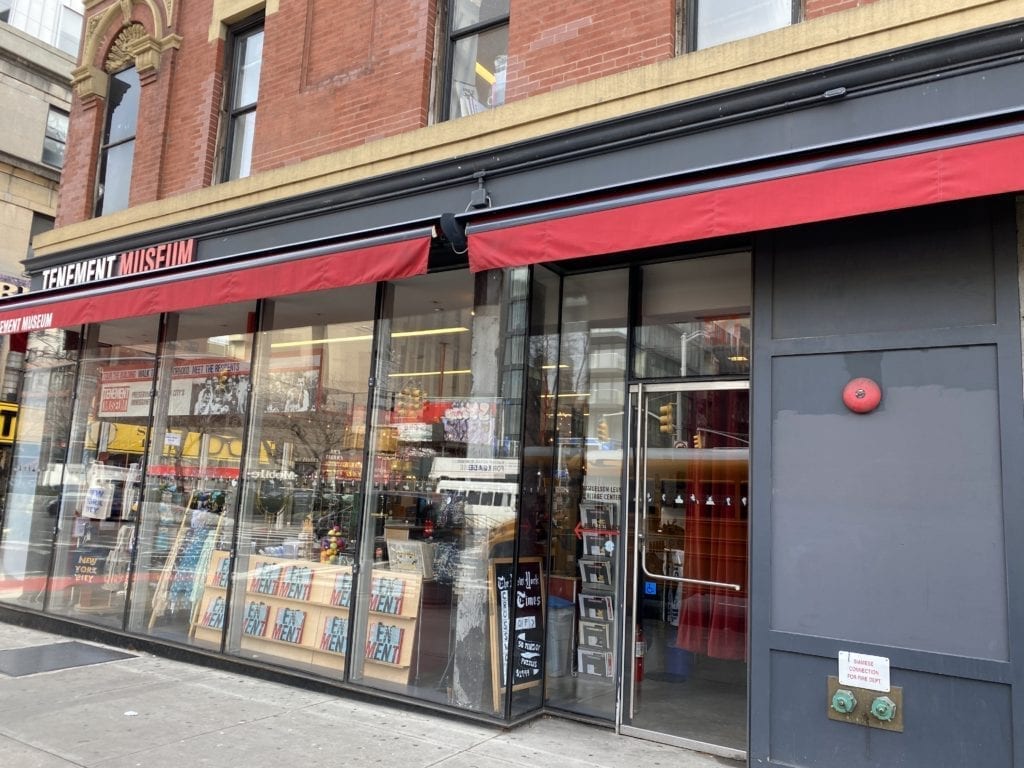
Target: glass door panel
column 686, row 679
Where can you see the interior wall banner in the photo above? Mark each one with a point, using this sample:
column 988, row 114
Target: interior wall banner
column 210, row 388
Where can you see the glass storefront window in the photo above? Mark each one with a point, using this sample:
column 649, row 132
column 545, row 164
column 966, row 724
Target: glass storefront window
column 586, row 398
column 102, row 471
column 304, row 466
column 40, row 452
column 193, row 465
column 415, row 486
column 695, row 318
column 436, row 557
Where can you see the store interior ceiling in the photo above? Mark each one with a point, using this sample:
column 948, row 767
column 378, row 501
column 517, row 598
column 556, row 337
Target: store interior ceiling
column 441, row 292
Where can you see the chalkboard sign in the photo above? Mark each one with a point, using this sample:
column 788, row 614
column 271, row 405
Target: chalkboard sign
column 521, row 597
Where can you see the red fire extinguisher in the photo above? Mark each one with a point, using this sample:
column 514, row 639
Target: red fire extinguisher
column 639, row 648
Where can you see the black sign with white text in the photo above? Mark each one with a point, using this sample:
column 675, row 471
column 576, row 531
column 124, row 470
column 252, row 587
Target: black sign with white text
column 519, row 611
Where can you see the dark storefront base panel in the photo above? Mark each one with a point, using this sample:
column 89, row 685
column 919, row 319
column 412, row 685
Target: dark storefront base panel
column 950, row 722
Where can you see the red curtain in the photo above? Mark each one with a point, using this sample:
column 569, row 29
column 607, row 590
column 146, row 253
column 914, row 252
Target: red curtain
column 713, row 620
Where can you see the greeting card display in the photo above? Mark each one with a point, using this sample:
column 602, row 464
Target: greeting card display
column 598, row 515
column 596, row 607
column 599, row 534
column 599, row 664
column 595, row 634
column 599, row 544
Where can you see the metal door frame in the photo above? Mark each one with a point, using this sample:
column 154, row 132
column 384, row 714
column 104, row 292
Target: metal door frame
column 632, row 501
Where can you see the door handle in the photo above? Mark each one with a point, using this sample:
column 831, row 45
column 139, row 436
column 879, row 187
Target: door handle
column 679, row 579
column 640, row 502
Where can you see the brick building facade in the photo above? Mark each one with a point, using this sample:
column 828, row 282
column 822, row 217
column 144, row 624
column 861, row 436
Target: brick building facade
column 648, row 362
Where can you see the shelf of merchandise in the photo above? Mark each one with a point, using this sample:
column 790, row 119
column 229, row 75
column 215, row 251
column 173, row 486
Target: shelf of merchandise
column 595, row 631
column 308, row 613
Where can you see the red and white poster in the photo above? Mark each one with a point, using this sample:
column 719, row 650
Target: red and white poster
column 210, row 388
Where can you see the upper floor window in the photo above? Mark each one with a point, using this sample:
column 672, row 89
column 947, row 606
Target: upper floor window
column 477, row 56
column 56, row 138
column 117, row 151
column 39, row 225
column 246, row 57
column 69, row 31
column 57, row 22
column 721, row 21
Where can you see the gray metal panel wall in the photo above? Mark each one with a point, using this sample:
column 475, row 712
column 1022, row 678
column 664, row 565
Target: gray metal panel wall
column 888, row 533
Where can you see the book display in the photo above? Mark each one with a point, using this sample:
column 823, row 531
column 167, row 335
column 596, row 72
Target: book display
column 300, row 611
column 595, row 632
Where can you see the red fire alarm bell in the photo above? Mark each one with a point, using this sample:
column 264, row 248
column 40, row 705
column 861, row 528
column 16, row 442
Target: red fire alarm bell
column 862, row 395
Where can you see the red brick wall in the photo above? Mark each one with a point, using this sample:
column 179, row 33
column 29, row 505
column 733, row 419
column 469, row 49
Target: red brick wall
column 339, row 74
column 149, row 132
column 553, row 45
column 814, row 8
column 196, row 70
column 334, row 75
column 176, row 130
column 78, row 177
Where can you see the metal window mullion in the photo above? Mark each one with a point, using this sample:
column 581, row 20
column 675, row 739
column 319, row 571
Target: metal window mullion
column 51, row 565
column 478, row 28
column 105, row 148
column 233, row 115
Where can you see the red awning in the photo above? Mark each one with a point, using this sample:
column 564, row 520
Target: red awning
column 357, row 264
column 778, row 197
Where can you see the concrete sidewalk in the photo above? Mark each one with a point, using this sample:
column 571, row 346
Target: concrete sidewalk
column 148, row 712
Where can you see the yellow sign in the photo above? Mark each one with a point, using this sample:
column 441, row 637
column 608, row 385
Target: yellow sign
column 131, row 438
column 8, row 422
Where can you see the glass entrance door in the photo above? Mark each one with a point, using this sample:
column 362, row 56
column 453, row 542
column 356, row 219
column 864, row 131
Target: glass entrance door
column 685, row 681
